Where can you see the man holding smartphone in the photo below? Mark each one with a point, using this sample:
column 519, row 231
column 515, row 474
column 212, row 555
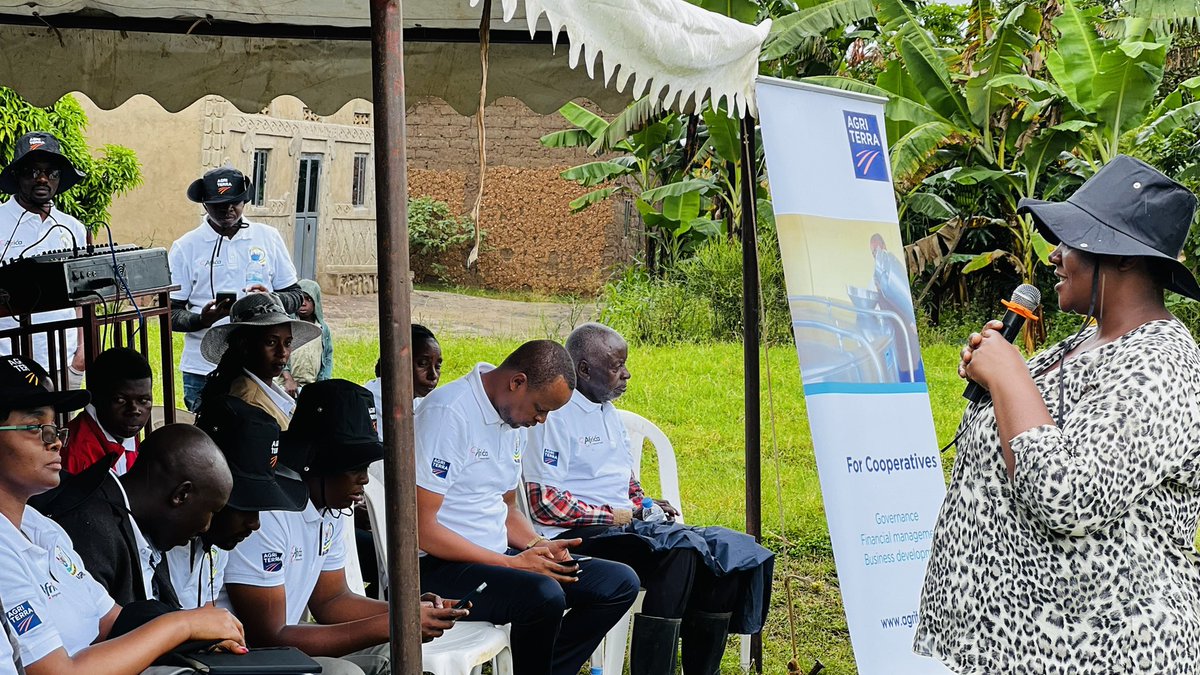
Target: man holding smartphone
column 223, row 259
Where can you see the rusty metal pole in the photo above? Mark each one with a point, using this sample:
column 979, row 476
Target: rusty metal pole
column 750, row 342
column 391, row 222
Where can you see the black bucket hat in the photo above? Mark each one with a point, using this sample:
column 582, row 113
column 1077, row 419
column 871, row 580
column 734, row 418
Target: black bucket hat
column 333, row 429
column 39, row 145
column 24, row 385
column 1128, row 208
column 220, row 186
column 249, row 439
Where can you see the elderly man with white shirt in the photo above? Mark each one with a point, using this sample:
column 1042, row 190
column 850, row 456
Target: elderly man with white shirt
column 580, row 480
column 30, row 225
column 226, row 254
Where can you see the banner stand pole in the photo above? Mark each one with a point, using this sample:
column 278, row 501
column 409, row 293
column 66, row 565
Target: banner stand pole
column 750, row 348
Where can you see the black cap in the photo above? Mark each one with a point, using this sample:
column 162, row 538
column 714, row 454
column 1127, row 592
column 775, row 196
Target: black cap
column 220, row 186
column 39, row 145
column 249, row 439
column 333, row 429
column 24, row 385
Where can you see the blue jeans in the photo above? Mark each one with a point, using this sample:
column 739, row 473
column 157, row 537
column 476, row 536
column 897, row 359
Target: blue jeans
column 192, row 384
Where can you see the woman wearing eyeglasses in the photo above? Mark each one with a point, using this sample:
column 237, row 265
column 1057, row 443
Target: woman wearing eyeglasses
column 57, row 613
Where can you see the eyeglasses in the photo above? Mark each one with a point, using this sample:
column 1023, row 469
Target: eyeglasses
column 50, row 432
column 36, row 172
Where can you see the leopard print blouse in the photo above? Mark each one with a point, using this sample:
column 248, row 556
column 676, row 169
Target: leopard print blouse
column 1085, row 562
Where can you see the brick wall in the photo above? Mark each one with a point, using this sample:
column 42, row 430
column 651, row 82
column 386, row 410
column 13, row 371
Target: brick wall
column 533, row 240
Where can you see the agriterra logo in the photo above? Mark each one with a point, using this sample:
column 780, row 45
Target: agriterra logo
column 866, row 146
column 23, row 619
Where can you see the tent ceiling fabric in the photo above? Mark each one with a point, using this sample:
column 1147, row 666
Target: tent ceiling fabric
column 670, row 48
column 178, row 70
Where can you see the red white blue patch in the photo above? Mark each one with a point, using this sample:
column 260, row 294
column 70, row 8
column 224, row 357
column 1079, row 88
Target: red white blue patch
column 441, row 468
column 272, row 561
column 550, row 456
column 22, row 618
column 866, row 146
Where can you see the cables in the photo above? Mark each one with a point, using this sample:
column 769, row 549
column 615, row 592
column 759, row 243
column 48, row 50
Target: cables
column 121, row 278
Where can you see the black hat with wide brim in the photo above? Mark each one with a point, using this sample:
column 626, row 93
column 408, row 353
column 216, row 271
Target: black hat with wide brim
column 249, row 438
column 223, row 185
column 333, row 429
column 1128, row 208
column 32, row 147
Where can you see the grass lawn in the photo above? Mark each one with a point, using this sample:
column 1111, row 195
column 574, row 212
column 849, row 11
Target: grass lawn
column 694, row 393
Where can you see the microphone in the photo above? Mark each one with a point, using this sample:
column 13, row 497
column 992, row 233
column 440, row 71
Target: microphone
column 1024, row 302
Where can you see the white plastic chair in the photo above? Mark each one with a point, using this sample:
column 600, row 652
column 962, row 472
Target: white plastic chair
column 461, row 650
column 640, row 429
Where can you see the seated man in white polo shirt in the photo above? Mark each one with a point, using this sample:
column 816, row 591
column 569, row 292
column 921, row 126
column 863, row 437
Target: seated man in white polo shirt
column 580, row 480
column 470, row 435
column 297, row 559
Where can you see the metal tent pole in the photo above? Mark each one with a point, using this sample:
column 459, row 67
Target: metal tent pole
column 750, row 342
column 391, row 220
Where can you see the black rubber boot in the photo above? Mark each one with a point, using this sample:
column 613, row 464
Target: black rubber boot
column 704, row 635
column 654, row 645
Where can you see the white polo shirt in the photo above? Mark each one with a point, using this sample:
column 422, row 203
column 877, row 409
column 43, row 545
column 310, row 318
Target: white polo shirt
column 471, row 457
column 189, row 260
column 583, row 449
column 289, row 549
column 19, row 229
column 50, row 600
column 197, row 574
column 375, row 386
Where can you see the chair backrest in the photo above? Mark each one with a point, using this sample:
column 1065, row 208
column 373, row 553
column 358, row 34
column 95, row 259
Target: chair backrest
column 639, row 429
column 354, row 578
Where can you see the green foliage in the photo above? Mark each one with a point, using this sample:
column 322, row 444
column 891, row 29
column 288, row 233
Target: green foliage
column 114, row 172
column 433, row 229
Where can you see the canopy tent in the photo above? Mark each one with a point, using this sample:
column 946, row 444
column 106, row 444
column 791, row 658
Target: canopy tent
column 316, row 50
column 249, row 53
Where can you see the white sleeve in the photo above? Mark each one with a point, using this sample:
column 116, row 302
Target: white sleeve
column 181, row 270
column 259, row 561
column 283, row 272
column 335, row 558
column 441, row 447
column 25, row 609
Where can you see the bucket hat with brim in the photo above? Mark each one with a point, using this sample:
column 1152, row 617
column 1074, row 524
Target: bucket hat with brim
column 34, row 146
column 249, row 439
column 334, row 429
column 256, row 309
column 1128, row 208
column 222, row 185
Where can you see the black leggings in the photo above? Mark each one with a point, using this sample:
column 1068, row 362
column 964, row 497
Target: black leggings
column 676, row 581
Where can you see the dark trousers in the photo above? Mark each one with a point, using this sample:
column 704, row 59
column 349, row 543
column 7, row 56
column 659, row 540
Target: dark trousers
column 677, row 581
column 544, row 641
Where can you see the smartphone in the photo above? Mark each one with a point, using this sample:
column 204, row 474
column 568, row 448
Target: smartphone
column 466, row 599
column 581, row 558
column 226, row 297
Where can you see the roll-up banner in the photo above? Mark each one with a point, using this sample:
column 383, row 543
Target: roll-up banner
column 856, row 335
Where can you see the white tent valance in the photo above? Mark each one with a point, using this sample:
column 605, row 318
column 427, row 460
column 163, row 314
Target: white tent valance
column 252, row 52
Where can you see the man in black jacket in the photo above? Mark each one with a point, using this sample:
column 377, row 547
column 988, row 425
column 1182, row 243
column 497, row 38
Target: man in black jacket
column 122, row 526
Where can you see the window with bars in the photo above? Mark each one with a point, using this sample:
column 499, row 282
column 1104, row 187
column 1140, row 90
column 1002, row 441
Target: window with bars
column 359, row 191
column 258, row 196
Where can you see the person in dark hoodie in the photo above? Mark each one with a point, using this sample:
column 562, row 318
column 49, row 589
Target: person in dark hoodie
column 310, row 362
column 122, row 526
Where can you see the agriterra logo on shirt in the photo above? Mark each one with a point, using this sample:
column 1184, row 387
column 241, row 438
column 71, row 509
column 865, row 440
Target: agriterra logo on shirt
column 272, row 561
column 550, row 456
column 441, row 468
column 23, row 619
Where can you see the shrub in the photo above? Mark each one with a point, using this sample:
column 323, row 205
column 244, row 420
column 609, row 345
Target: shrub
column 433, row 229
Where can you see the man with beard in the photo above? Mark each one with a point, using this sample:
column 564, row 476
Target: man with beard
column 249, row 439
column 30, row 225
column 470, row 435
column 227, row 257
column 581, row 480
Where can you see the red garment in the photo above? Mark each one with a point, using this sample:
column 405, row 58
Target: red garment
column 87, row 444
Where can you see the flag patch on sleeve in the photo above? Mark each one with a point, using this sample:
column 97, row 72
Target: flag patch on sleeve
column 23, row 619
column 550, row 456
column 441, row 468
column 272, row 561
